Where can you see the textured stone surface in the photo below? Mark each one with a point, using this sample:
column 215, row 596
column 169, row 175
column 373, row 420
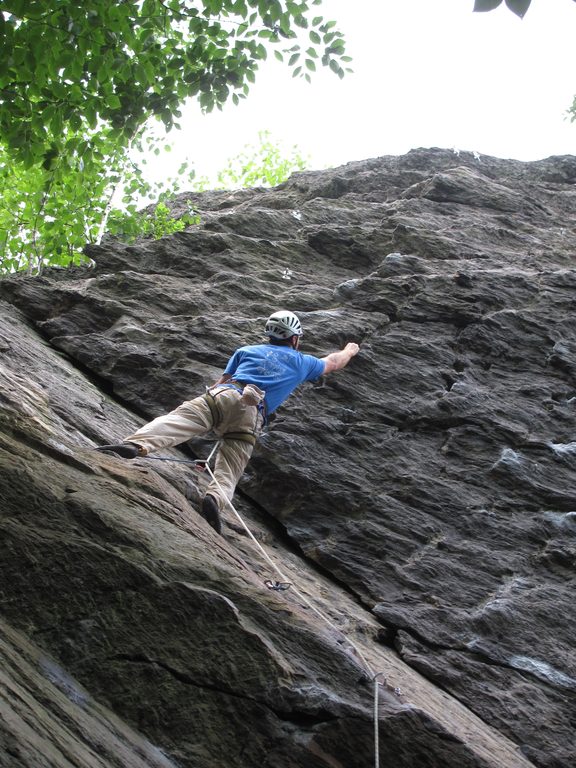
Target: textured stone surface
column 48, row 719
column 423, row 499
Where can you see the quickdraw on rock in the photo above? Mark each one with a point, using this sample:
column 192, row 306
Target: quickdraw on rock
column 277, row 585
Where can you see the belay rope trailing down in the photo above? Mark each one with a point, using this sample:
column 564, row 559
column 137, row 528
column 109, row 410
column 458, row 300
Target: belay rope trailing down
column 204, row 464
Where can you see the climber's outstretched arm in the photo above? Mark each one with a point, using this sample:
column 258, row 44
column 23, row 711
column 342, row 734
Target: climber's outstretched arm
column 335, row 361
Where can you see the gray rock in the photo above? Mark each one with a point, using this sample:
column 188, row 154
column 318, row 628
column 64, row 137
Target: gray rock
column 420, row 502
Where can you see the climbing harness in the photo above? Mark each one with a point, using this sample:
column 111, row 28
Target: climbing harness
column 284, row 584
column 251, row 394
column 244, row 437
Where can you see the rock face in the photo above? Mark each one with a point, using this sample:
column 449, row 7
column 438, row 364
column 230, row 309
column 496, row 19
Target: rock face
column 421, row 503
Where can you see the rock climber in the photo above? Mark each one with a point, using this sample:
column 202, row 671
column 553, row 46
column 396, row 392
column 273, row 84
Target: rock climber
column 255, row 382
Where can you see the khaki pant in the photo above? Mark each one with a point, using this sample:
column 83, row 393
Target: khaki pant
column 194, row 418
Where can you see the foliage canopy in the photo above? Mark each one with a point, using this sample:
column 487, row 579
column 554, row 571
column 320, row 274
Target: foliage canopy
column 76, row 67
column 266, row 164
column 79, row 82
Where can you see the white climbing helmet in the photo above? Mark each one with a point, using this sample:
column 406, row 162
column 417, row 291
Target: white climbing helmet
column 283, row 325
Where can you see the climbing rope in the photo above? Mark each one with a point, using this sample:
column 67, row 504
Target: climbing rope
column 197, row 462
column 286, row 584
column 200, row 464
column 283, row 578
column 376, row 719
column 283, row 585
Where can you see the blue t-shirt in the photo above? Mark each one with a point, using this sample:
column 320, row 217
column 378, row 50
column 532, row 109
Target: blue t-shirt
column 278, row 370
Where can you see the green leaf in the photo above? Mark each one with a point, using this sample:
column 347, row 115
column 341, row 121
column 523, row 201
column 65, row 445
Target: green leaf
column 149, row 8
column 486, row 5
column 75, row 121
column 519, row 7
column 337, row 46
column 335, row 67
column 285, row 20
column 57, row 122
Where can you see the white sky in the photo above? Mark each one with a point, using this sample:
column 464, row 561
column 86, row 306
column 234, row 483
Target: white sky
column 427, row 73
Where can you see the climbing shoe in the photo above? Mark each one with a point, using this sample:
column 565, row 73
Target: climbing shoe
column 124, row 450
column 210, row 513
